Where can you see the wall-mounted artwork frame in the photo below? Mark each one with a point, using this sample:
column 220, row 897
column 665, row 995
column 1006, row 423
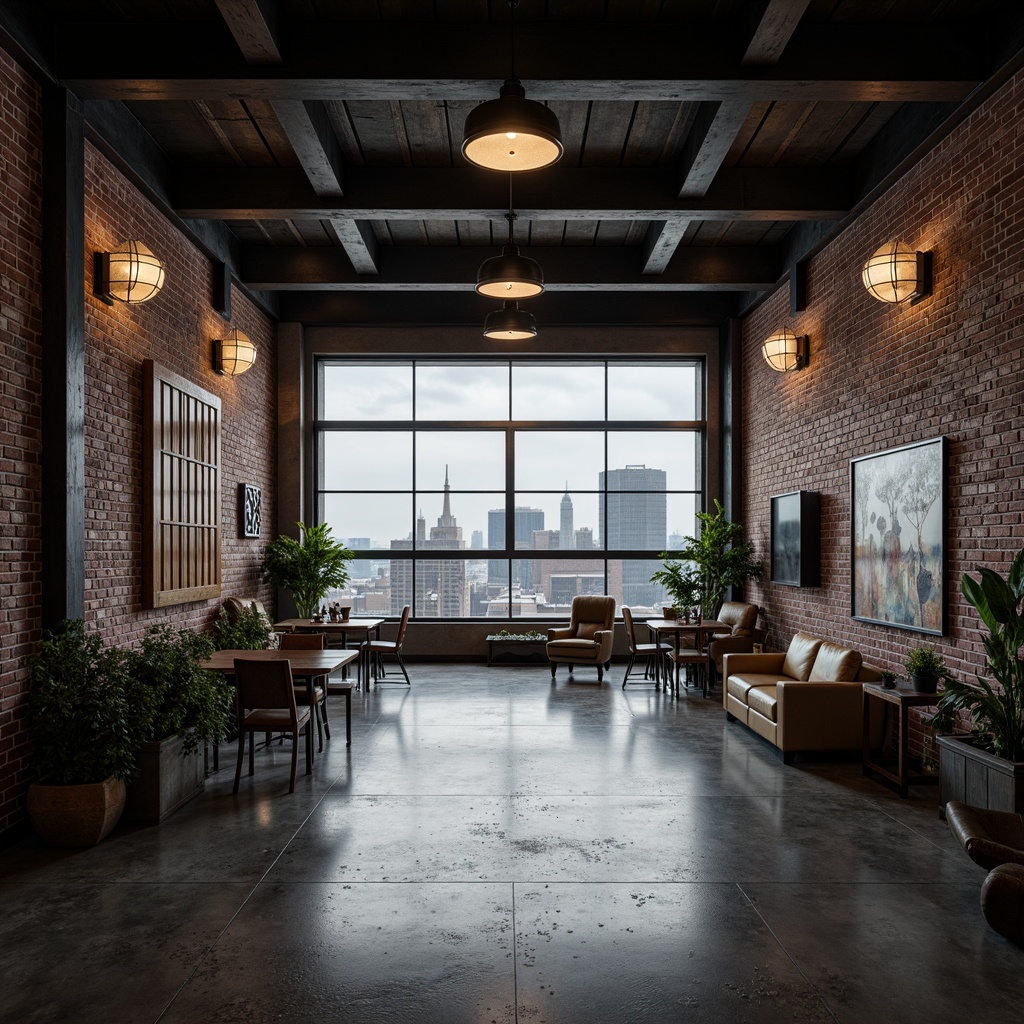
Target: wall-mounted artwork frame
column 250, row 510
column 181, row 490
column 898, row 537
column 796, row 539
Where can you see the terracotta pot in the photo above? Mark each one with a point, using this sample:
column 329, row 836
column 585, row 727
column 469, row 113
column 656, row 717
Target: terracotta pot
column 75, row 815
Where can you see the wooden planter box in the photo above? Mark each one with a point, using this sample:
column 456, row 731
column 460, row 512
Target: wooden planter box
column 977, row 777
column 166, row 781
column 504, row 651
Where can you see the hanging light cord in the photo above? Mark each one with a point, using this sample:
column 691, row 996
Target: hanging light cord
column 512, row 5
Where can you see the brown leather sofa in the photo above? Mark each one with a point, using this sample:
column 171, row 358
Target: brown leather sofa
column 808, row 698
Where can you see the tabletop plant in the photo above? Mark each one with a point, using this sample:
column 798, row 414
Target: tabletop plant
column 249, row 630
column 720, row 558
column 995, row 709
column 680, row 583
column 925, row 661
column 308, row 567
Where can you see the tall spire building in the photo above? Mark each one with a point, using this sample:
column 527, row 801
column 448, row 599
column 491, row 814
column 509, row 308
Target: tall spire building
column 566, row 536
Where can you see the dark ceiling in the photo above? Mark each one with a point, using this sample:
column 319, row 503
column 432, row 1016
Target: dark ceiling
column 710, row 145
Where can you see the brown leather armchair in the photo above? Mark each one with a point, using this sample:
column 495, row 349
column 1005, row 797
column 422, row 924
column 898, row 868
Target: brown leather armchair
column 588, row 638
column 743, row 619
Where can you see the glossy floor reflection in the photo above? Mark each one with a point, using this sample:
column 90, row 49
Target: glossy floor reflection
column 495, row 848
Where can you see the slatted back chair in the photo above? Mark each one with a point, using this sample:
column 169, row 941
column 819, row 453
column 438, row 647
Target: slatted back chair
column 311, row 642
column 376, row 649
column 649, row 651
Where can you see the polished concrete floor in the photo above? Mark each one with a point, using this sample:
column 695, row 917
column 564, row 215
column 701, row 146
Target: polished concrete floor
column 494, row 848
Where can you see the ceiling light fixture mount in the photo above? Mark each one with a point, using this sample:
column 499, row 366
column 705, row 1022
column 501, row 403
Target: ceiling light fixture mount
column 785, row 350
column 233, row 354
column 512, row 133
column 510, row 323
column 131, row 273
column 895, row 272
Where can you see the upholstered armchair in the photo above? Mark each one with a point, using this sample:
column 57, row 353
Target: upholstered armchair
column 743, row 619
column 588, row 638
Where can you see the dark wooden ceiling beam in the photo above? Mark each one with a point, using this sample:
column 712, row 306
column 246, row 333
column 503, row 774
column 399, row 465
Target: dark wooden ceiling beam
column 556, row 193
column 356, row 237
column 253, row 24
column 454, row 268
column 646, row 61
column 309, row 130
column 776, row 26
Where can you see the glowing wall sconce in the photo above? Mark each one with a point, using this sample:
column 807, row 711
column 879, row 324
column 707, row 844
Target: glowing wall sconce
column 785, row 350
column 233, row 354
column 896, row 272
column 131, row 273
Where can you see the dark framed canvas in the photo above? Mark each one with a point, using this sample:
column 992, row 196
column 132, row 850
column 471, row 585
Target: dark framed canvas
column 898, row 537
column 796, row 545
column 250, row 510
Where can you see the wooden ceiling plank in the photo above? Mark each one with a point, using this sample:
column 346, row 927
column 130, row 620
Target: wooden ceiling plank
column 774, row 30
column 253, row 23
column 578, row 268
column 660, row 244
column 359, row 241
column 309, row 130
column 565, row 193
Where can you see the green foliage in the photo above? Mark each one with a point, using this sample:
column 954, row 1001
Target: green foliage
column 250, row 631
column 720, row 557
column 996, row 711
column 531, row 635
column 187, row 700
column 924, row 661
column 85, row 709
column 308, row 568
column 680, row 582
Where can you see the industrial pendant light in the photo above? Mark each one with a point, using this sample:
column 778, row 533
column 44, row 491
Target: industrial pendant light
column 510, row 275
column 512, row 133
column 510, row 323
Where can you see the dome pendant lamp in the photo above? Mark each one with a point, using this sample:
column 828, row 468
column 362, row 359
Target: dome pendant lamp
column 510, row 275
column 510, row 323
column 512, row 133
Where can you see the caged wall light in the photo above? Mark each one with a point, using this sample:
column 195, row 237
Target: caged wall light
column 785, row 350
column 233, row 354
column 131, row 273
column 895, row 272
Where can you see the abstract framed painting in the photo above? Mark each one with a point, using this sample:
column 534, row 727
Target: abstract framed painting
column 898, row 537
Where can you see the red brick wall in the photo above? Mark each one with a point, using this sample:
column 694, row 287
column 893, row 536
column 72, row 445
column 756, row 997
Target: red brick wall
column 884, row 375
column 175, row 329
column 20, row 415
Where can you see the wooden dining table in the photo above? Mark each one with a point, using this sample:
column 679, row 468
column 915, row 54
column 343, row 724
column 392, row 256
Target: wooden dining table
column 306, row 665
column 702, row 633
column 358, row 628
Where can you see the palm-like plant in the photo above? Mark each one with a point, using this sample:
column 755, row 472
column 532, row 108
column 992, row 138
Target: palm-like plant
column 996, row 712
column 308, row 567
column 679, row 581
column 721, row 558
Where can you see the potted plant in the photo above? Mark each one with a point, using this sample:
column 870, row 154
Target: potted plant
column 86, row 713
column 308, row 567
column 680, row 583
column 721, row 558
column 247, row 630
column 992, row 754
column 190, row 708
column 926, row 667
column 889, row 679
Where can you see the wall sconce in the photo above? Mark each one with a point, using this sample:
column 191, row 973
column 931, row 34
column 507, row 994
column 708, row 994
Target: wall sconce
column 132, row 273
column 233, row 354
column 785, row 351
column 896, row 272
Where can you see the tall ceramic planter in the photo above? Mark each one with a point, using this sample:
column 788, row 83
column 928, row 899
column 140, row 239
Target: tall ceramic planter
column 166, row 781
column 977, row 777
column 75, row 815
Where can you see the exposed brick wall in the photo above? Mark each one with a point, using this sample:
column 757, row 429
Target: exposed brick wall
column 175, row 329
column 885, row 375
column 20, row 417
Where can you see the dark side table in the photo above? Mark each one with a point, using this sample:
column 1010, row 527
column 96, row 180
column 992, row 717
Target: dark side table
column 898, row 767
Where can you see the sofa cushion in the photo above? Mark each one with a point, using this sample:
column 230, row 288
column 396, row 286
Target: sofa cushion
column 835, row 664
column 740, row 685
column 586, row 630
column 740, row 615
column 803, row 649
column 764, row 700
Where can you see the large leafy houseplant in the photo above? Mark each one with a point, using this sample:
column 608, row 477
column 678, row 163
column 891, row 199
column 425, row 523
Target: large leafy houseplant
column 188, row 701
column 308, row 567
column 996, row 712
column 248, row 630
column 720, row 557
column 680, row 583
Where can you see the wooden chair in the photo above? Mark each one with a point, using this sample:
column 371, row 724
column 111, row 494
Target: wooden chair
column 311, row 642
column 265, row 702
column 375, row 649
column 651, row 651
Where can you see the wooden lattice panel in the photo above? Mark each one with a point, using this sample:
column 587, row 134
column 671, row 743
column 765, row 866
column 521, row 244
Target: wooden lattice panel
column 181, row 481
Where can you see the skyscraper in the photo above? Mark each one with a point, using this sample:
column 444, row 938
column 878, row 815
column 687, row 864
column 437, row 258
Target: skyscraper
column 526, row 521
column 440, row 589
column 566, row 537
column 636, row 520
